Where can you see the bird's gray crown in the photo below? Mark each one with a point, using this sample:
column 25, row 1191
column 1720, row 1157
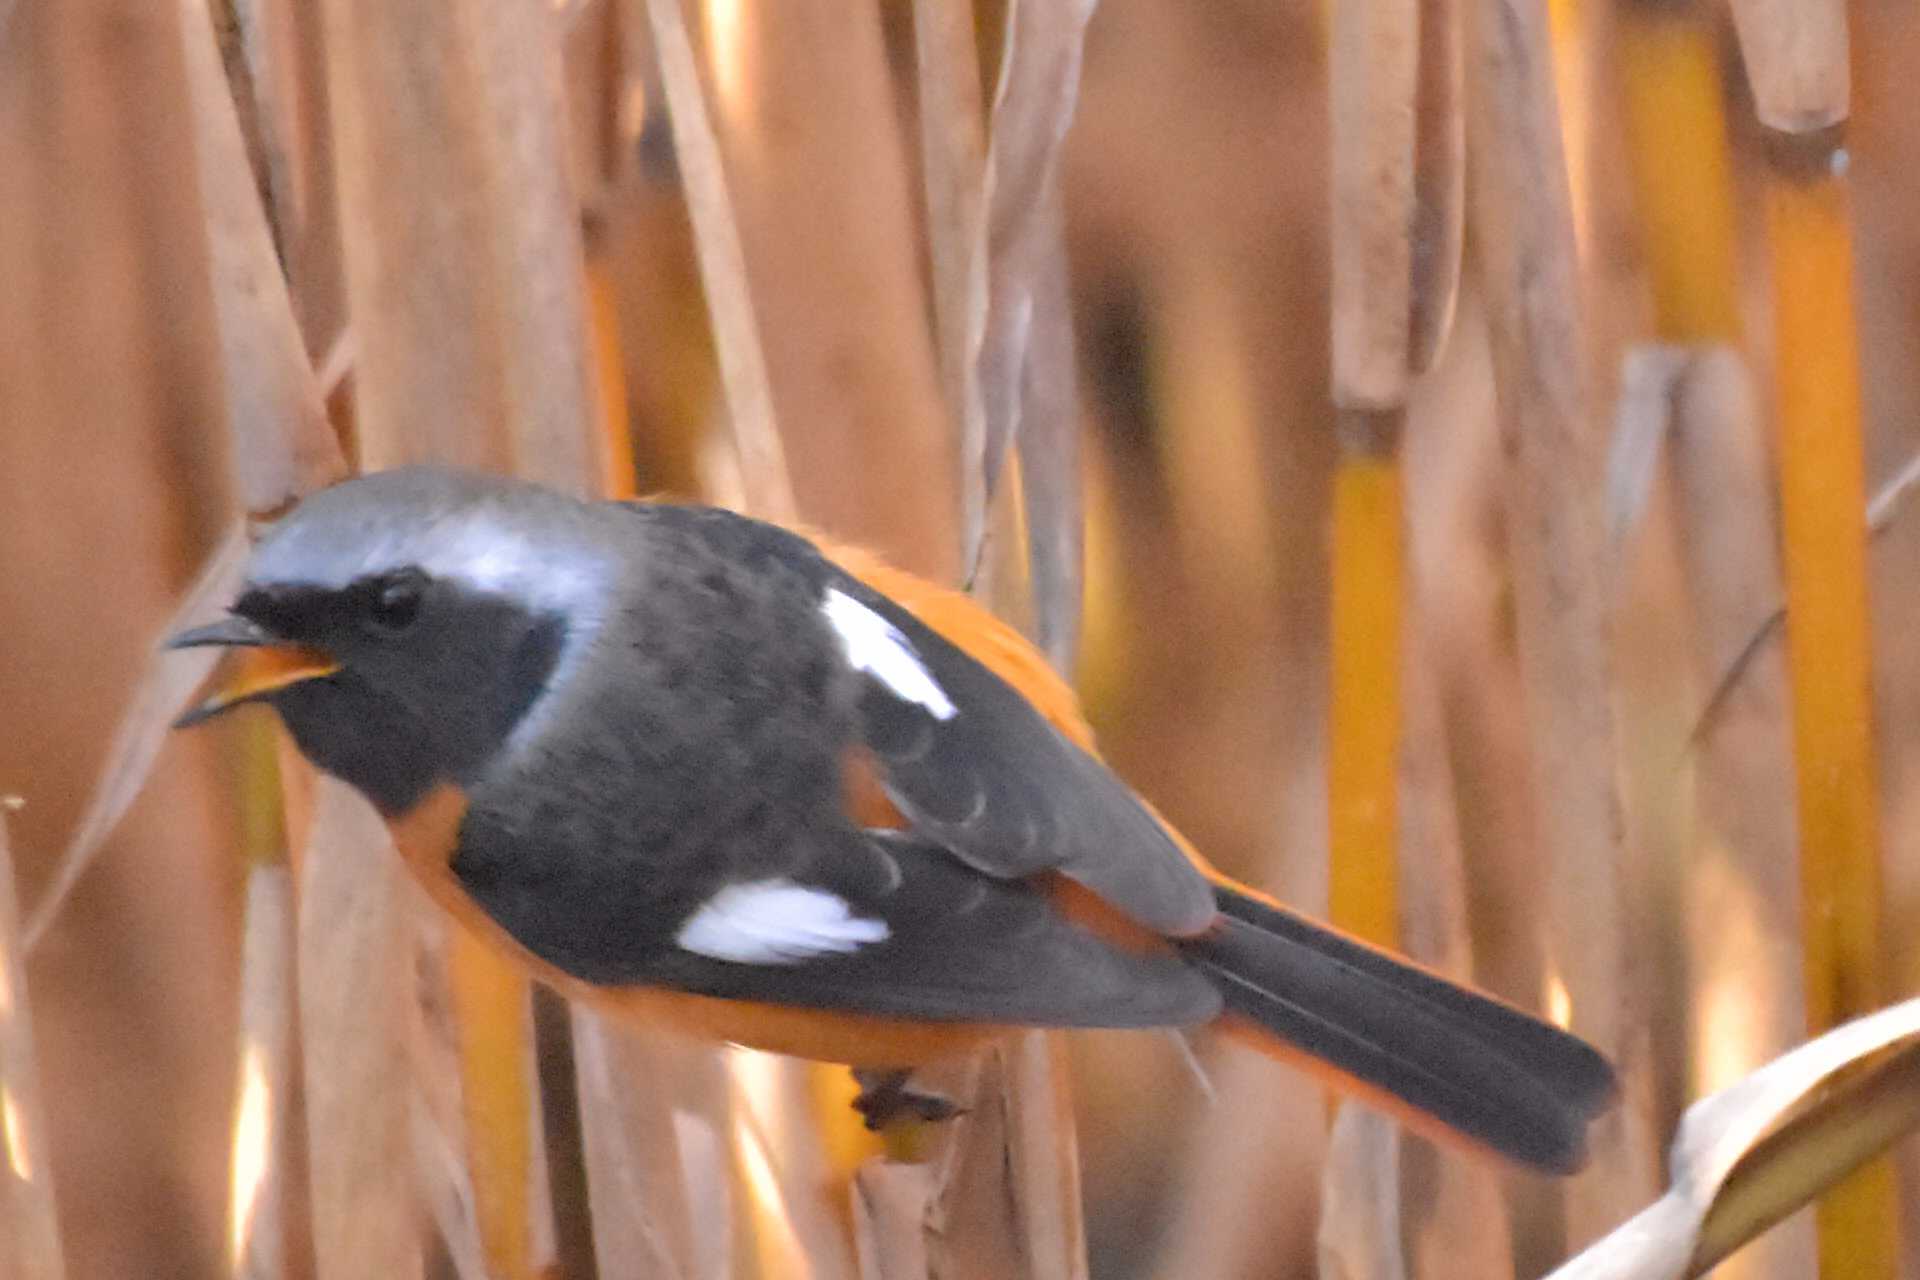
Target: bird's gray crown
column 486, row 533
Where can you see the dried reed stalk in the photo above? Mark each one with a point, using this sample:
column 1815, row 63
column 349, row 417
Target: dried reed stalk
column 1682, row 176
column 1796, row 57
column 1824, row 527
column 953, row 141
column 283, row 448
column 656, row 1108
column 1396, row 175
column 1006, row 345
column 1052, row 476
column 1036, row 89
column 723, row 268
column 269, row 1231
column 453, row 171
column 286, row 447
column 355, row 1005
column 29, row 1223
column 1797, row 65
column 1521, row 204
column 1744, row 883
column 1365, row 732
column 1453, row 1211
column 807, row 116
column 1744, row 954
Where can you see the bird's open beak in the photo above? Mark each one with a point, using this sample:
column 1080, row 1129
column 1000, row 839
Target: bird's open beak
column 256, row 664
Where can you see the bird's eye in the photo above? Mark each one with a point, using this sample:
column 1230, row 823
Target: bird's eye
column 392, row 603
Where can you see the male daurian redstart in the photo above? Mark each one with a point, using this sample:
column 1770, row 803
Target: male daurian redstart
column 707, row 771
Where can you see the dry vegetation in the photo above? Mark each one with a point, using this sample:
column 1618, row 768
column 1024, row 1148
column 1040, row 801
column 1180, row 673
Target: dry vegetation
column 1437, row 400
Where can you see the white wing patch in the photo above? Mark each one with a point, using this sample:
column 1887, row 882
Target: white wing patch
column 776, row 922
column 875, row 646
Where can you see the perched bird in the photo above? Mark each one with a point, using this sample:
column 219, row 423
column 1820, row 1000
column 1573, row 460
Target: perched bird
column 712, row 773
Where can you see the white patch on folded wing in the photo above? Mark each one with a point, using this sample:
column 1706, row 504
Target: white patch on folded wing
column 776, row 922
column 875, row 646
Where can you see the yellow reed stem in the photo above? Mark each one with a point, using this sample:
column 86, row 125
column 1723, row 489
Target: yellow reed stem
column 1823, row 509
column 1363, row 774
column 1682, row 178
column 610, row 381
column 491, row 1014
column 263, row 813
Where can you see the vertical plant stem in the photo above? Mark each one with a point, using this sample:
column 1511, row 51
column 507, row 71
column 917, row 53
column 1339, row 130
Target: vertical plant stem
column 1822, row 500
column 1363, row 755
column 1744, row 980
column 1520, row 200
column 1682, row 177
column 366, row 1218
column 1741, row 885
column 269, row 1231
column 453, row 175
column 723, row 268
column 491, row 1016
column 29, row 1224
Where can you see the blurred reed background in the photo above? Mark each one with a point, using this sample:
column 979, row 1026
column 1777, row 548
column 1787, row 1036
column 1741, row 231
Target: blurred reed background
column 1437, row 399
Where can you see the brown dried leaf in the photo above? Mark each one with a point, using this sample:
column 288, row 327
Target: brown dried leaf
column 29, row 1225
column 161, row 695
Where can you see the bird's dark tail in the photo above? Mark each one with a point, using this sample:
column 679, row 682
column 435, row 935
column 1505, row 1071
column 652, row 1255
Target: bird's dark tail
column 1407, row 1037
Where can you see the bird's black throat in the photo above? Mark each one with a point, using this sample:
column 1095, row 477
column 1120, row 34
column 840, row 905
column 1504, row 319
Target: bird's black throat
column 394, row 750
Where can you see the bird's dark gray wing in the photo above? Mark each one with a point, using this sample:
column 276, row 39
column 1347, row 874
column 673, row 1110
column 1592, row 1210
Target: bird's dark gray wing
column 959, row 946
column 1000, row 788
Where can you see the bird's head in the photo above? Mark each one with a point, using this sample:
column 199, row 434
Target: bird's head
column 406, row 623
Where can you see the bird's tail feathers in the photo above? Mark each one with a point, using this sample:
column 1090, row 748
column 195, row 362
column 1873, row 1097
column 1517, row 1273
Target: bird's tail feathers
column 1407, row 1038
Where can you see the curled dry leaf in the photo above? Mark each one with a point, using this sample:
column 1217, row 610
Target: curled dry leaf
column 29, row 1228
column 1722, row 1130
column 169, row 680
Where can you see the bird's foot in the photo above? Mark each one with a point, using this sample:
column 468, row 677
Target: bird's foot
column 886, row 1099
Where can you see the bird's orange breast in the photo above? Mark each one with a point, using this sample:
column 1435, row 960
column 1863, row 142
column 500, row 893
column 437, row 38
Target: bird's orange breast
column 427, row 836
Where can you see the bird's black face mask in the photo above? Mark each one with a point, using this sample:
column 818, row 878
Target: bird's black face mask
column 393, row 683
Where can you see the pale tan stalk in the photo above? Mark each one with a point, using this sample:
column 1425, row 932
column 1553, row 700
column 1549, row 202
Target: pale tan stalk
column 1518, row 196
column 29, row 1222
